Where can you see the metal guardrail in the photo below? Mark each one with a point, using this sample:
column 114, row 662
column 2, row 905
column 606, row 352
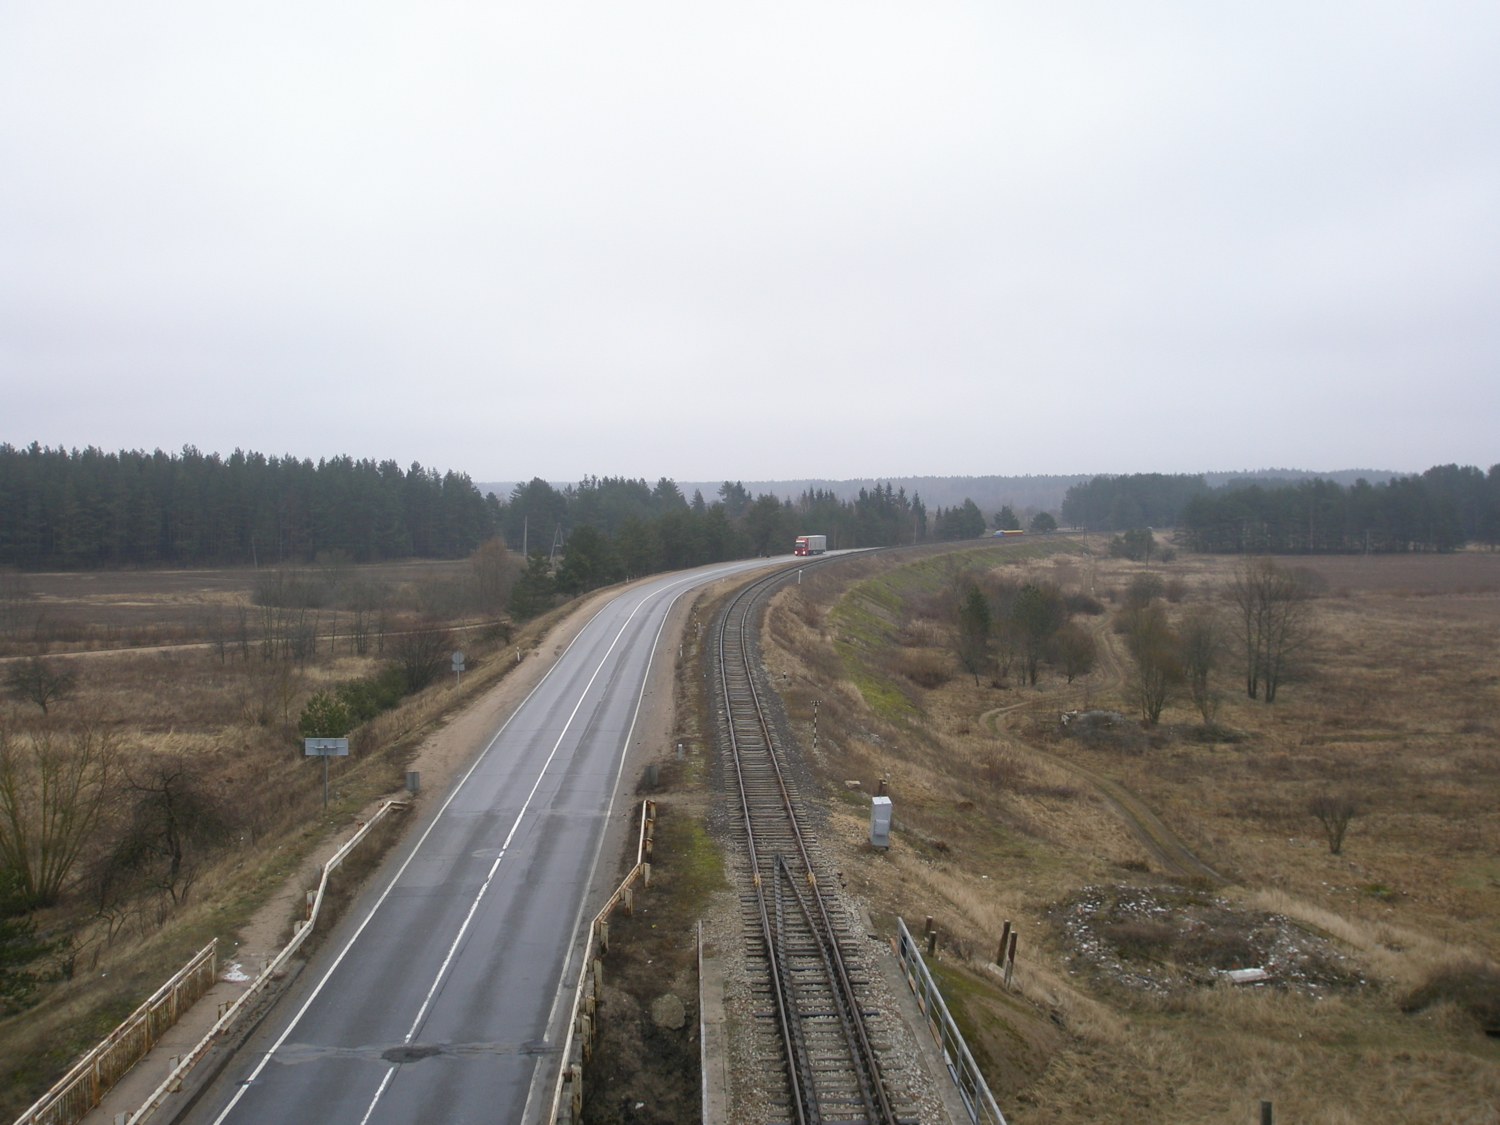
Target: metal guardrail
column 578, row 1044
column 81, row 1089
column 972, row 1087
column 89, row 1079
column 173, row 1081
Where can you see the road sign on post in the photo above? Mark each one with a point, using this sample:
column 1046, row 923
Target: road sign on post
column 325, row 748
column 458, row 668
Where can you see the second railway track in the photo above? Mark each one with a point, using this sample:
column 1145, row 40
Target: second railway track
column 821, row 1030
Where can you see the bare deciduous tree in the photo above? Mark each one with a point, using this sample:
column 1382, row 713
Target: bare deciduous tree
column 39, row 682
column 53, row 789
column 1334, row 811
column 421, row 651
column 1037, row 613
column 971, row 640
column 1074, row 650
column 1273, row 617
column 1202, row 642
column 494, row 572
column 173, row 825
column 1154, row 648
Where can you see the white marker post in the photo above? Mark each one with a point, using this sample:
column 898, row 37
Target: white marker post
column 325, row 748
column 458, row 669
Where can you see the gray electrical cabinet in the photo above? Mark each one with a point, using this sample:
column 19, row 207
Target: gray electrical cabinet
column 880, row 822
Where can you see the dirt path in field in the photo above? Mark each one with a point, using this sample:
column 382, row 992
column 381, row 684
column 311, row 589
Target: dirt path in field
column 1175, row 857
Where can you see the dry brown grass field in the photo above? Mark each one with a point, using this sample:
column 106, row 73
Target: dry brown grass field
column 85, row 610
column 1141, row 862
column 183, row 673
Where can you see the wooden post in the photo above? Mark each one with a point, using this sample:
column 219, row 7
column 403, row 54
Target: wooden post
column 627, row 900
column 1004, row 941
column 1267, row 1114
column 1010, row 958
column 646, row 875
column 932, row 943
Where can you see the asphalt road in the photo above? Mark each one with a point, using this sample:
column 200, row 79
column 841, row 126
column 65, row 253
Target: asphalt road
column 439, row 997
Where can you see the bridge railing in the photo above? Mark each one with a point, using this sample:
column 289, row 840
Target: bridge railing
column 90, row 1078
column 972, row 1087
column 578, row 1039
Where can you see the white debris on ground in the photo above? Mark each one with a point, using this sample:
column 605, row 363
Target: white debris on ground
column 1157, row 939
column 234, row 973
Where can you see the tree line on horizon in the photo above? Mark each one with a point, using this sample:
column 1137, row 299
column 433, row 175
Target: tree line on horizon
column 78, row 509
column 607, row 529
column 86, row 508
column 1437, row 510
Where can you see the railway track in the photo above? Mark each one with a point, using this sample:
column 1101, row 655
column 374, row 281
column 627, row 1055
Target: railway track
column 819, row 1023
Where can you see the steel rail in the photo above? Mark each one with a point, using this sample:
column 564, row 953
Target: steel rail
column 863, row 1058
column 799, row 1069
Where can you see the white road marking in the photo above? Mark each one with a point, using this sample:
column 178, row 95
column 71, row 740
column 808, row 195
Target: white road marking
column 317, row 990
column 337, row 961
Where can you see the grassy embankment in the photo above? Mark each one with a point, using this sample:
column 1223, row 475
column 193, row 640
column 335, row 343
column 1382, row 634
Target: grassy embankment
column 1002, row 819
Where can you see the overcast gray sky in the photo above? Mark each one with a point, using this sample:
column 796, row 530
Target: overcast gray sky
column 758, row 240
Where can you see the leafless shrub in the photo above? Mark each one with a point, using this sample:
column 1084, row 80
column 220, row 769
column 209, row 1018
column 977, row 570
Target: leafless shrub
column 1155, row 651
column 494, row 572
column 1334, row 811
column 924, row 669
column 54, row 784
column 1074, row 651
column 1202, row 642
column 1084, row 604
column 1143, row 590
column 421, row 651
column 172, row 826
column 1471, row 985
column 39, row 682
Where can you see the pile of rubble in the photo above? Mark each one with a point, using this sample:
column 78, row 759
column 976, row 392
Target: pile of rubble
column 1158, row 939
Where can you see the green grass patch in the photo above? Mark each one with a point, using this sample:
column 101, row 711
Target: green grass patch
column 866, row 619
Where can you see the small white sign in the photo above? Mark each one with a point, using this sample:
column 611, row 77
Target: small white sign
column 326, row 747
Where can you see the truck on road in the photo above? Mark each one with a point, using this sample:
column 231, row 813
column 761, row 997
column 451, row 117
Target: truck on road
column 810, row 545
